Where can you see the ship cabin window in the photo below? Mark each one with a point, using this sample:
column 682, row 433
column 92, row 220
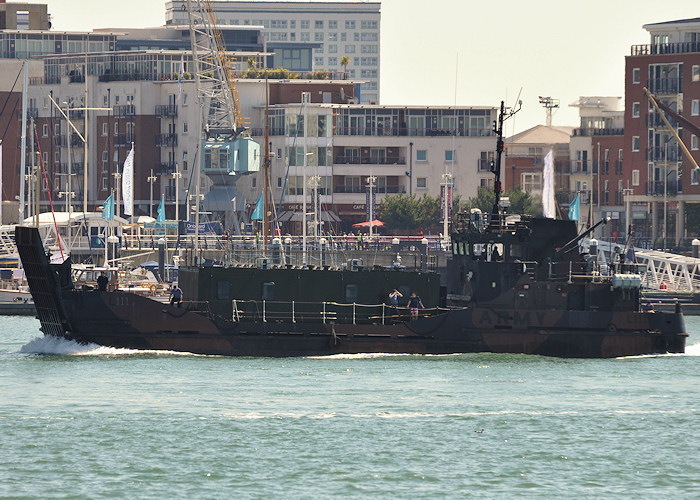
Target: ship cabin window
column 495, row 252
column 478, row 251
column 223, row 289
column 268, row 291
column 460, row 248
column 350, row 294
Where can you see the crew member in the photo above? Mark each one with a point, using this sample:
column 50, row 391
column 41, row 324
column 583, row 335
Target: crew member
column 413, row 303
column 176, row 296
column 394, row 297
column 102, row 281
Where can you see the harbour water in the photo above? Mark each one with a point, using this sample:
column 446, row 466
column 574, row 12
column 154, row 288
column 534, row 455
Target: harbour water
column 88, row 422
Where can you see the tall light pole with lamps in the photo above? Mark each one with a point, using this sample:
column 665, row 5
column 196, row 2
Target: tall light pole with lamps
column 371, row 184
column 151, row 179
column 177, row 176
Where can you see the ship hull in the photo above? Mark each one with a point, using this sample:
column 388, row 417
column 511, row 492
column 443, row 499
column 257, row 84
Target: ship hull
column 126, row 320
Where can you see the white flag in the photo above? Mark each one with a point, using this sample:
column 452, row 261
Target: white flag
column 128, row 183
column 548, row 186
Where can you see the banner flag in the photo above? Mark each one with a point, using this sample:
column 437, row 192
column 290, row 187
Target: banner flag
column 574, row 208
column 258, row 212
column 548, row 207
column 108, row 208
column 161, row 212
column 128, row 183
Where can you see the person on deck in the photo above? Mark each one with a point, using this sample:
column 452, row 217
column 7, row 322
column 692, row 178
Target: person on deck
column 102, row 281
column 176, row 296
column 413, row 303
column 394, row 297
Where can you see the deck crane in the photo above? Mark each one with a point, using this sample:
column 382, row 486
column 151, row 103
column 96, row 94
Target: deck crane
column 226, row 149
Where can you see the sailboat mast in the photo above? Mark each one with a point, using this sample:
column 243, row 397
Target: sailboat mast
column 266, row 166
column 23, row 160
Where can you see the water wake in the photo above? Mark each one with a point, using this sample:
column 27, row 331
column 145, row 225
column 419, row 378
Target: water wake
column 49, row 344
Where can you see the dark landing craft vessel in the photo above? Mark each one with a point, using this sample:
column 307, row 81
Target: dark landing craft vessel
column 513, row 285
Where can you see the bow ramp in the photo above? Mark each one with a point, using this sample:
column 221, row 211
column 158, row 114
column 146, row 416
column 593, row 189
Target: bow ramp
column 45, row 280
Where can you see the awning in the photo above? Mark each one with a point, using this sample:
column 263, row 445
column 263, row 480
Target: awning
column 326, row 216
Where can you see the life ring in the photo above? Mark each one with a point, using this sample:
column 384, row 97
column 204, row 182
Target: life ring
column 153, row 289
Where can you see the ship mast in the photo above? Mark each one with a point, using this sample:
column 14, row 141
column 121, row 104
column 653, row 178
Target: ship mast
column 503, row 115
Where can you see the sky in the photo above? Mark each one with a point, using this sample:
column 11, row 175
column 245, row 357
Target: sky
column 472, row 53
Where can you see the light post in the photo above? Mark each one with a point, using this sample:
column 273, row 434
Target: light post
column 447, row 182
column 410, row 170
column 315, row 180
column 151, row 179
column 665, row 190
column 117, row 182
column 187, row 204
column 177, row 175
column 371, row 184
column 69, row 205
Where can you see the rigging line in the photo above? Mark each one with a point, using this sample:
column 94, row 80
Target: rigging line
column 2, row 140
column 289, row 163
column 48, row 191
column 9, row 94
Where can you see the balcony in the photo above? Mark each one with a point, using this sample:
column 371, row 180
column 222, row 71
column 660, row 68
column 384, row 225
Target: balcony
column 73, row 114
column 665, row 85
column 122, row 140
column 61, row 142
column 31, row 113
column 354, row 160
column 363, row 189
column 654, row 121
column 663, row 154
column 665, row 48
column 584, row 167
column 166, row 110
column 124, row 111
column 656, row 188
column 76, row 169
column 166, row 140
column 594, row 132
column 164, row 168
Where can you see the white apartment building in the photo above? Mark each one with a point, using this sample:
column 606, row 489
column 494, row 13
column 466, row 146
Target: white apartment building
column 333, row 29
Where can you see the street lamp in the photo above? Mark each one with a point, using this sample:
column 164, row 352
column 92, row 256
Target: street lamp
column 315, row 180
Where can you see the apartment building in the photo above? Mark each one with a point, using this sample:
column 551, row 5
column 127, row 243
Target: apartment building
column 339, row 147
column 669, row 67
column 596, row 162
column 331, row 29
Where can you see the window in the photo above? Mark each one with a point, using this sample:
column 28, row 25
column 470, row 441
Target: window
column 254, row 182
column 350, row 294
column 318, row 36
column 635, row 143
column 45, row 130
column 318, row 25
column 531, row 181
column 635, row 75
column 695, row 107
column 268, row 291
column 105, row 131
column 305, row 36
column 105, row 160
column 56, row 129
column 422, row 155
column 184, row 127
column 116, row 128
column 422, row 183
column 449, row 155
column 349, row 25
column 184, row 99
column 305, row 24
column 279, row 183
column 695, row 73
column 635, row 110
column 635, row 177
column 332, row 37
column 104, row 183
column 332, row 25
column 349, row 49
column 694, row 142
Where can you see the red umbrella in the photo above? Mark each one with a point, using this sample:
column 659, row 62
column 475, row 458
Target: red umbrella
column 374, row 223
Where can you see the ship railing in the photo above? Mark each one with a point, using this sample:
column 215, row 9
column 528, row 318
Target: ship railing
column 323, row 312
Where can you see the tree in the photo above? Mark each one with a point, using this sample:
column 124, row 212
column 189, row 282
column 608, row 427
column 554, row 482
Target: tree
column 408, row 213
column 520, row 202
column 344, row 61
